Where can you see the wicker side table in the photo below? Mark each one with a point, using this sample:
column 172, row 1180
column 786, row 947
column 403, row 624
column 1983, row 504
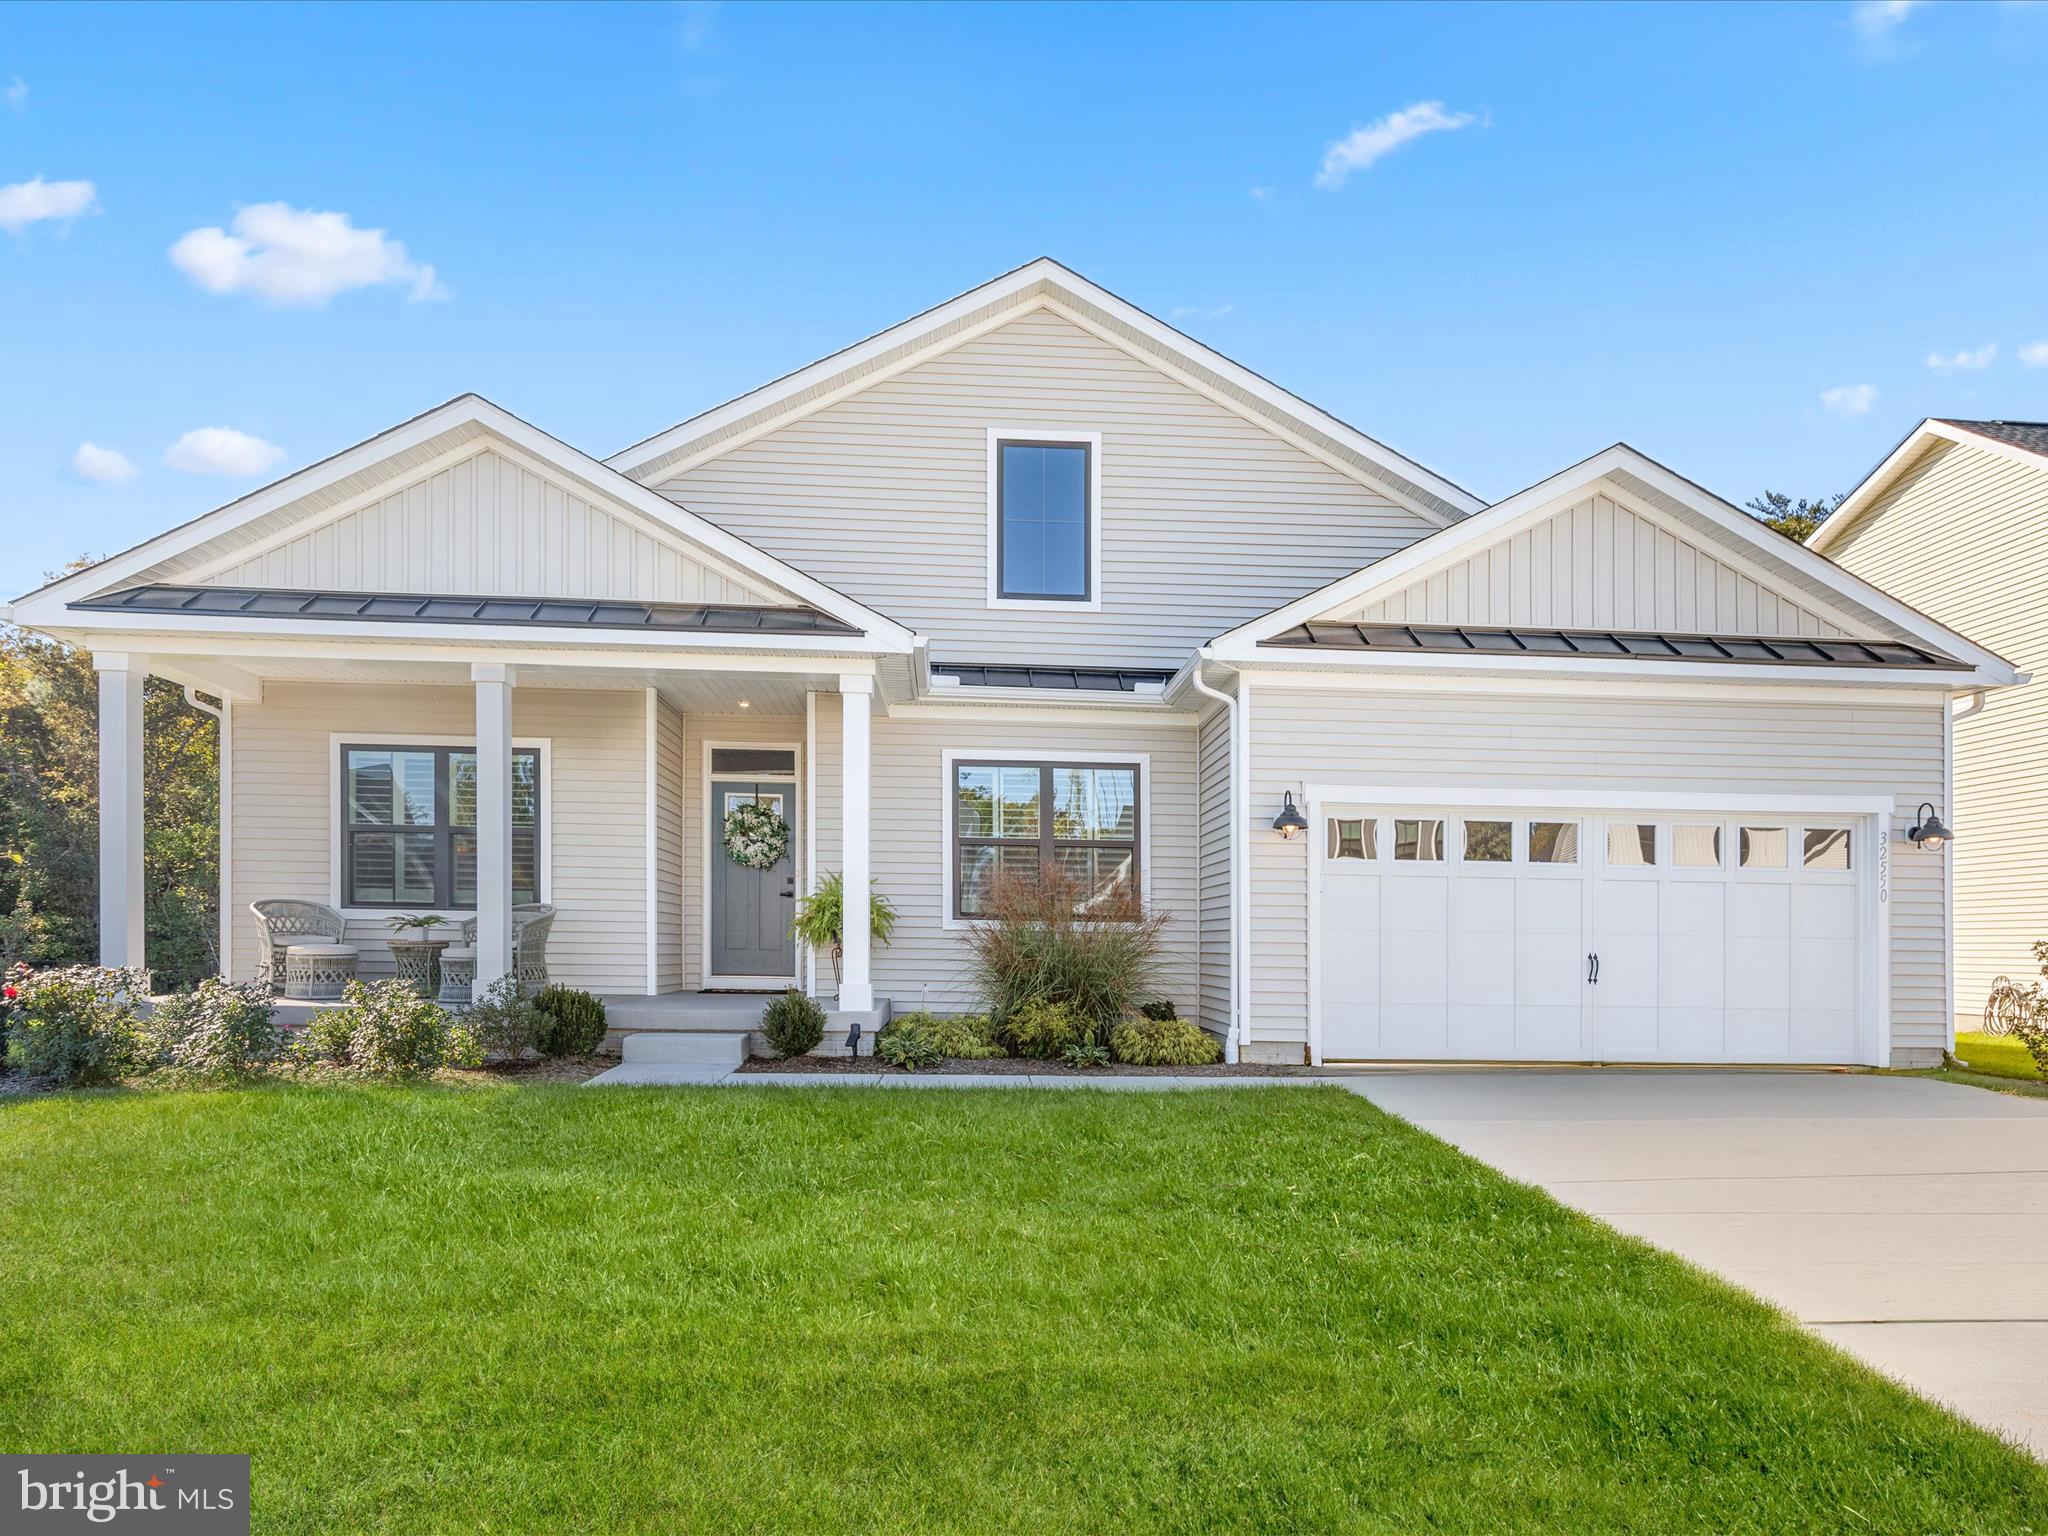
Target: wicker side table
column 417, row 962
column 318, row 972
column 458, row 976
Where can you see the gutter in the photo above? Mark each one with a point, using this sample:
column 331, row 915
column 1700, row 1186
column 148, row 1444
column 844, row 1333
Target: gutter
column 1235, row 1038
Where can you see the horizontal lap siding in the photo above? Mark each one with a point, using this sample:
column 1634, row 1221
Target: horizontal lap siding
column 670, row 881
column 1963, row 535
column 284, row 811
column 1747, row 746
column 1207, row 520
column 1213, row 857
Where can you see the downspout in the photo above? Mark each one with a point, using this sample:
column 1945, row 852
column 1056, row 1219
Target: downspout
column 1235, row 1035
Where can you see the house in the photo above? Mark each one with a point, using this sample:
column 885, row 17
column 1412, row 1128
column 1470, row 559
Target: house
column 1955, row 522
column 1606, row 770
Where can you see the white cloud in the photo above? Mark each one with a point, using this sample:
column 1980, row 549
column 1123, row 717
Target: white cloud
column 1950, row 362
column 2035, row 354
column 1260, row 194
column 102, row 466
column 1878, row 22
column 287, row 255
column 221, row 451
column 29, row 202
column 16, row 96
column 1846, row 400
column 1375, row 141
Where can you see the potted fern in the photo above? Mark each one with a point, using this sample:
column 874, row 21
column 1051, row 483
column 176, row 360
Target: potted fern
column 820, row 919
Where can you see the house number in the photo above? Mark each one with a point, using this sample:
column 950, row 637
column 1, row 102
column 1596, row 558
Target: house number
column 1884, row 870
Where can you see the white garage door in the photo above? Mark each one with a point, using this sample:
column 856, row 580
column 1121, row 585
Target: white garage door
column 1562, row 936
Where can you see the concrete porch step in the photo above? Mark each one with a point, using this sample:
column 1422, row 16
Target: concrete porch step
column 684, row 1047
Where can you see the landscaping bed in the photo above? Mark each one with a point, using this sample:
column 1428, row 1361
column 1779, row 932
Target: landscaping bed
column 869, row 1066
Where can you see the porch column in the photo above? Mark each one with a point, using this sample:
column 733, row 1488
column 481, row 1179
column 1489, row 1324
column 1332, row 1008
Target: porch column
column 121, row 678
column 493, row 821
column 856, row 991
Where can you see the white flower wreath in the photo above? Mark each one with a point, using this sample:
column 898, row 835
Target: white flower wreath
column 755, row 837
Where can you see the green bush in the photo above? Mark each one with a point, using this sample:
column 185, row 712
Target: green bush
column 506, row 1021
column 1048, row 936
column 793, row 1023
column 1042, row 1030
column 389, row 1030
column 1160, row 1009
column 1164, row 1043
column 572, row 1022
column 903, row 1044
column 324, row 1037
column 1086, row 1053
column 217, row 1030
column 961, row 1036
column 78, row 1025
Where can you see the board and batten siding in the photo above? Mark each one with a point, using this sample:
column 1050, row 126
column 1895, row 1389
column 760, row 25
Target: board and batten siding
column 1749, row 745
column 1601, row 565
column 285, row 811
column 489, row 526
column 926, row 964
column 1207, row 519
column 1212, row 767
column 1962, row 535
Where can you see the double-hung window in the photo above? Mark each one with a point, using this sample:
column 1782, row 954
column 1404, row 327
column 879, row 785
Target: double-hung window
column 1016, row 818
column 1042, row 519
column 408, row 826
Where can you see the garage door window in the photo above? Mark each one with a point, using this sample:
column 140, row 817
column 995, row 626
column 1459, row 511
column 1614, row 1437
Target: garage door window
column 1553, row 842
column 1762, row 848
column 1827, row 847
column 1696, row 847
column 1350, row 838
column 1420, row 841
column 1489, row 842
column 1631, row 843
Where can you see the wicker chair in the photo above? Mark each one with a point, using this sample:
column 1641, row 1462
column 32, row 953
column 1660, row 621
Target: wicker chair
column 280, row 925
column 530, row 924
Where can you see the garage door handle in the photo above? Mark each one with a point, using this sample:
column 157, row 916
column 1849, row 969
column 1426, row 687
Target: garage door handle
column 1593, row 969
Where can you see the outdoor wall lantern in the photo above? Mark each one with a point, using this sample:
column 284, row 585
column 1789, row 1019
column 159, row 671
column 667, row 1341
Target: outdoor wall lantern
column 1927, row 830
column 1290, row 823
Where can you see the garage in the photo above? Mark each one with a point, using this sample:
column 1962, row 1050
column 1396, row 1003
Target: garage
column 1490, row 932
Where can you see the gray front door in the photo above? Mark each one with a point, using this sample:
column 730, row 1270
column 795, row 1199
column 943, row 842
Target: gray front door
column 751, row 908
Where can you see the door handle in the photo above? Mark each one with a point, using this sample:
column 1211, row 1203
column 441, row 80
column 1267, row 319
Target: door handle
column 1593, row 970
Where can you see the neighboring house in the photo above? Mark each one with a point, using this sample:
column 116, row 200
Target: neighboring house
column 1606, row 770
column 1955, row 522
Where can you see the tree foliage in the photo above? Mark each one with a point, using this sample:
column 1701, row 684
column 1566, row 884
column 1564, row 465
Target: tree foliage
column 49, row 816
column 1794, row 519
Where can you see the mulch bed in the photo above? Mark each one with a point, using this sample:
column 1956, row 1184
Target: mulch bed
column 1003, row 1066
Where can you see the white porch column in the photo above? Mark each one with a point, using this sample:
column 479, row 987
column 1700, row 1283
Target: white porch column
column 121, row 678
column 855, row 989
column 493, row 821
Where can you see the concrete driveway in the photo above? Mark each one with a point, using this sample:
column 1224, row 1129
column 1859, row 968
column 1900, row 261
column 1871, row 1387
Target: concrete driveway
column 1904, row 1220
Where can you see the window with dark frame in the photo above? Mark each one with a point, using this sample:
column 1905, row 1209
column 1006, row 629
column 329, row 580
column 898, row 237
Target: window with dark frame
column 1015, row 818
column 408, row 829
column 1044, row 520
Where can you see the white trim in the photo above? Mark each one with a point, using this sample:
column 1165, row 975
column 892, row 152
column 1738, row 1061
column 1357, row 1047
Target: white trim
column 1064, row 437
column 809, row 884
column 1596, row 801
column 1512, row 670
column 545, row 831
column 1241, row 875
column 794, row 780
column 1042, row 704
column 1948, row 875
column 225, row 766
column 650, row 780
column 1031, row 757
column 1660, row 685
column 1234, row 1039
column 1895, row 463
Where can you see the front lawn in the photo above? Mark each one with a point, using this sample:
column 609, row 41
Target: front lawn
column 543, row 1309
column 1996, row 1056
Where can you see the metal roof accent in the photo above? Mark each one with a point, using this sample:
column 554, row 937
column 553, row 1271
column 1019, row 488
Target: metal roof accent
column 430, row 608
column 1518, row 640
column 1085, row 679
column 2030, row 435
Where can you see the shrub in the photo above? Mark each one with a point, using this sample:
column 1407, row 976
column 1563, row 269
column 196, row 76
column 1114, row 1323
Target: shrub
column 572, row 1022
column 216, row 1030
column 1086, row 1053
column 505, row 1020
column 1048, row 936
column 77, row 1025
column 324, row 1037
column 1159, row 1009
column 1042, row 1030
column 1152, row 1042
column 820, row 921
column 793, row 1023
column 962, row 1036
column 904, row 1044
column 394, row 1032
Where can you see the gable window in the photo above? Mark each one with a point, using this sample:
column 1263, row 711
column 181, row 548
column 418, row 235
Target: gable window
column 1043, row 518
column 408, row 826
column 1016, row 818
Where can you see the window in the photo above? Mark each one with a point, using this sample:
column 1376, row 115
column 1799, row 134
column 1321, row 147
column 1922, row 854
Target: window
column 1553, row 842
column 409, row 826
column 1696, row 847
column 1043, row 532
column 1489, row 842
column 1761, row 848
column 1827, row 847
column 1351, row 839
column 1418, row 842
column 1016, row 818
column 1631, row 843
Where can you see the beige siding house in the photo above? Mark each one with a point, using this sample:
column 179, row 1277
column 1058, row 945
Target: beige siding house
column 1603, row 771
column 1955, row 522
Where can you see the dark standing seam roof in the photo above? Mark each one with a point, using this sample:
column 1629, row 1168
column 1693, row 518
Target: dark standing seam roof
column 2031, row 435
column 1466, row 640
column 428, row 608
column 1103, row 679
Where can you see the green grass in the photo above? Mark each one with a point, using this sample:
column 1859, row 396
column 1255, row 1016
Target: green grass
column 1996, row 1056
column 526, row 1309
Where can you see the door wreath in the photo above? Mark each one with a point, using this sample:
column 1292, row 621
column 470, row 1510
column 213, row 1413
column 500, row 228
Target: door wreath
column 755, row 836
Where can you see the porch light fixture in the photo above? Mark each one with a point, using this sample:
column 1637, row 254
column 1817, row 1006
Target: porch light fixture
column 1927, row 830
column 1290, row 823
column 746, row 704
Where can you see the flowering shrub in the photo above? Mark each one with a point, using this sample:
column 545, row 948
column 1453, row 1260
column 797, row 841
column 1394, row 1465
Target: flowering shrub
column 77, row 1025
column 217, row 1030
column 506, row 1021
column 389, row 1030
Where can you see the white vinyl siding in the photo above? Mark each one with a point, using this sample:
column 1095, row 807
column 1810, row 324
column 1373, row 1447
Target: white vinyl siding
column 490, row 526
column 1213, row 852
column 1747, row 746
column 1963, row 536
column 1601, row 565
column 670, row 777
column 284, row 811
column 1207, row 520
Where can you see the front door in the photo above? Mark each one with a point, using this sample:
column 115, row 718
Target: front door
column 751, row 908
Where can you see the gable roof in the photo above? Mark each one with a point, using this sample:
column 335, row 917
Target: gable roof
column 2023, row 441
column 1653, row 485
column 402, row 450
column 1046, row 284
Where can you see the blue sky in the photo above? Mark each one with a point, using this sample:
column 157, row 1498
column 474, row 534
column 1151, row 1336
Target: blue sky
column 1495, row 238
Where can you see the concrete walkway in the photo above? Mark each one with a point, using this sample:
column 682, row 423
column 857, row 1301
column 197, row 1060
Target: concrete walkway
column 1902, row 1219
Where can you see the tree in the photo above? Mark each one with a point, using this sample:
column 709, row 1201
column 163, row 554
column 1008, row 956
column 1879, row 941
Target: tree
column 1794, row 519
